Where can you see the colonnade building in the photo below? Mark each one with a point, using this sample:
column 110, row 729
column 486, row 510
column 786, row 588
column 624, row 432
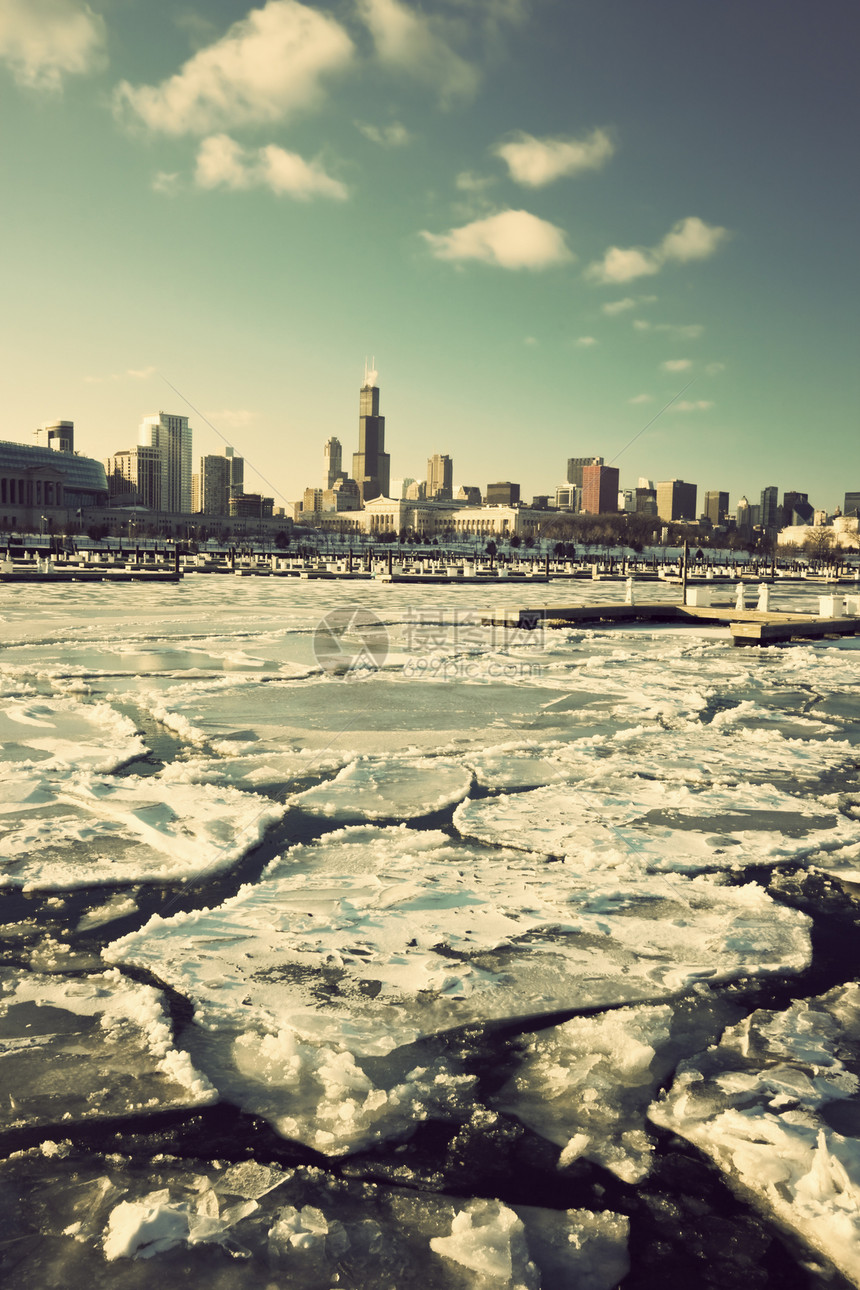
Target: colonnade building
column 46, row 484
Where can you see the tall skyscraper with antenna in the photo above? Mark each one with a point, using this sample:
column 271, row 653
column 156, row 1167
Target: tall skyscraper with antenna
column 371, row 465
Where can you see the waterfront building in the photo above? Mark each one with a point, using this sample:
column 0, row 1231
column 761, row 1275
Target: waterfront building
column 676, row 500
column 211, row 488
column 36, row 481
column 852, row 505
column 171, row 435
column 503, row 493
column 440, row 478
column 332, row 462
column 769, row 510
column 134, row 477
column 371, row 465
column 716, row 506
column 599, row 489
column 576, row 465
column 61, row 435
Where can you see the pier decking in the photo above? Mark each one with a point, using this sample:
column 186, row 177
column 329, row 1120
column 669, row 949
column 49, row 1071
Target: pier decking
column 747, row 626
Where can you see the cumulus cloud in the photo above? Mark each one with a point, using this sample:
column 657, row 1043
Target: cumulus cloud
column 613, row 307
column 714, row 369
column 268, row 66
column 388, row 136
column 166, row 181
column 688, row 405
column 412, row 41
column 621, row 264
column 692, row 239
column 586, row 341
column 224, row 163
column 41, row 41
column 677, row 365
column 536, row 162
column 689, row 239
column 641, row 398
column 510, row 239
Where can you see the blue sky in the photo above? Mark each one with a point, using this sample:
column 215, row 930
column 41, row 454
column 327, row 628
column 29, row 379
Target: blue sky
column 543, row 218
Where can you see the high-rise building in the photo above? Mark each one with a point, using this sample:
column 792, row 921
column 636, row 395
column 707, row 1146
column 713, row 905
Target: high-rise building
column 236, row 476
column 171, row 435
column 676, row 500
column 440, row 478
column 646, row 499
column 576, row 465
column 599, row 489
column 716, row 506
column 769, row 518
column 504, row 493
column 795, row 503
column 743, row 519
column 137, row 473
column 332, row 462
column 211, row 495
column 61, row 436
column 852, row 505
column 371, row 465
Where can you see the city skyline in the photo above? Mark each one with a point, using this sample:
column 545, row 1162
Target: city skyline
column 547, row 221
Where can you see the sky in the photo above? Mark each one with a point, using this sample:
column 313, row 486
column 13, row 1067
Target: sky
column 556, row 228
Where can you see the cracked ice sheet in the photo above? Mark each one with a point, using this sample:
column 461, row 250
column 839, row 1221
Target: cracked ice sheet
column 62, row 733
column 586, row 1084
column 388, row 788
column 83, row 830
column 71, row 1218
column 637, row 825
column 86, row 1048
column 321, row 988
column 776, row 1105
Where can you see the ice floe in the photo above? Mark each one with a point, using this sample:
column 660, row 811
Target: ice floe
column 776, row 1104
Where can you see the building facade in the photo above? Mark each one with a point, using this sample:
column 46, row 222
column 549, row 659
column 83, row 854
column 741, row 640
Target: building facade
column 576, row 465
column 599, row 489
column 41, row 486
column 332, row 461
column 371, row 465
column 676, row 500
column 716, row 506
column 134, row 477
column 171, row 435
column 440, row 478
column 503, row 493
column 769, row 515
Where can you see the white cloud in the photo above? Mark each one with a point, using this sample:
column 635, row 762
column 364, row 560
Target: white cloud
column 677, row 365
column 388, row 136
column 535, row 162
column 510, row 239
column 268, row 66
column 714, row 369
column 683, row 331
column 618, row 306
column 689, row 239
column 586, row 341
column 623, row 265
column 640, row 324
column 641, row 398
column 415, row 42
column 686, row 405
column 692, row 239
column 130, row 374
column 166, row 181
column 42, row 41
column 223, row 163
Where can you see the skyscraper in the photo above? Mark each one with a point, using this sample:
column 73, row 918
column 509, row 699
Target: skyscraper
column 576, row 465
column 136, row 472
column 440, row 477
column 676, row 500
column 171, row 435
column 332, row 462
column 371, row 465
column 599, row 488
column 716, row 506
column 770, row 507
column 211, row 495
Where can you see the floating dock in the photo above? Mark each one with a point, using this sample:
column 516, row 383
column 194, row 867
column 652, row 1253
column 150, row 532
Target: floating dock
column 747, row 626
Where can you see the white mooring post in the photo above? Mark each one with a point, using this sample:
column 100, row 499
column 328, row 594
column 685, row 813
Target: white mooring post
column 763, row 605
column 740, row 600
column 629, row 598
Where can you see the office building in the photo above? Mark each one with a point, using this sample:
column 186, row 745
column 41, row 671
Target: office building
column 852, row 505
column 440, row 478
column 371, row 465
column 332, row 462
column 236, row 475
column 743, row 519
column 469, row 493
column 676, row 500
column 599, row 489
column 171, row 435
column 210, row 488
column 769, row 512
column 576, row 465
column 134, row 477
column 716, row 506
column 504, row 493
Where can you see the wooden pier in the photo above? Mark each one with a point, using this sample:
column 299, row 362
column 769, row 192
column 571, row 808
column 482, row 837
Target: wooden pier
column 747, row 626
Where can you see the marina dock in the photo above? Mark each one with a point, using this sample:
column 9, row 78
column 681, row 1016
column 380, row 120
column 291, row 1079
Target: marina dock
column 747, row 626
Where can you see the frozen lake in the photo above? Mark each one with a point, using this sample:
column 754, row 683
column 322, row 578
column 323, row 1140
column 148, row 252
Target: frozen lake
column 348, row 942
